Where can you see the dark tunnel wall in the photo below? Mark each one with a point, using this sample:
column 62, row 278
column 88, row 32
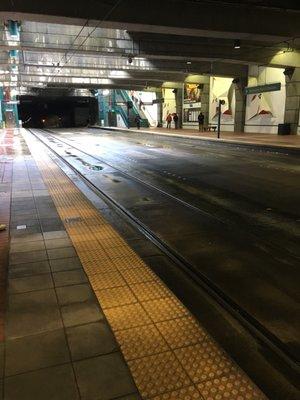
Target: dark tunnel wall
column 55, row 112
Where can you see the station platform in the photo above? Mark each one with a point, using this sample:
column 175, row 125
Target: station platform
column 255, row 139
column 82, row 314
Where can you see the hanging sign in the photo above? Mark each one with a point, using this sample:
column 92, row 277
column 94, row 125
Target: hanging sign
column 270, row 87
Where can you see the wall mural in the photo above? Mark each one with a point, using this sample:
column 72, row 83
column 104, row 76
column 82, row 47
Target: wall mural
column 169, row 105
column 222, row 89
column 264, row 111
column 259, row 104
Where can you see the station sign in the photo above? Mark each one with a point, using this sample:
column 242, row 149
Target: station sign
column 157, row 101
column 270, row 87
column 192, row 105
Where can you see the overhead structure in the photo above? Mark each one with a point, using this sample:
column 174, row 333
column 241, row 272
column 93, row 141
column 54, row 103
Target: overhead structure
column 134, row 44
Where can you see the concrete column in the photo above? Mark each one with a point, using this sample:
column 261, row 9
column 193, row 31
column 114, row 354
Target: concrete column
column 292, row 102
column 9, row 103
column 240, row 104
column 179, row 101
column 103, row 108
column 205, row 98
column 159, row 108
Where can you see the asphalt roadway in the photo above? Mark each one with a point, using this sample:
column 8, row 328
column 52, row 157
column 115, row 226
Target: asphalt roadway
column 244, row 237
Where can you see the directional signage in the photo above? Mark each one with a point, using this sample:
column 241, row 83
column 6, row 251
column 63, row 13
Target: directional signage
column 270, row 87
column 157, row 101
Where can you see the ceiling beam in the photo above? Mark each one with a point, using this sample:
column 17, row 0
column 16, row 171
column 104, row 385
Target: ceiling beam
column 201, row 18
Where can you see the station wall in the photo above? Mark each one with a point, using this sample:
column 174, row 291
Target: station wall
column 150, row 109
column 222, row 88
column 264, row 111
column 169, row 105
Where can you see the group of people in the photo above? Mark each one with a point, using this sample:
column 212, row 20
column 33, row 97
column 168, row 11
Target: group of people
column 172, row 117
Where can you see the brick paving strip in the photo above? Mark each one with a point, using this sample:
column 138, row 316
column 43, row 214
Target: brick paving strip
column 170, row 356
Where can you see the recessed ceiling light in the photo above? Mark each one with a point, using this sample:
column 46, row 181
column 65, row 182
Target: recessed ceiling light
column 237, row 44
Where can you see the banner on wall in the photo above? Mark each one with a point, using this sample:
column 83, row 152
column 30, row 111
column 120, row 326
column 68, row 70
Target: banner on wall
column 192, row 95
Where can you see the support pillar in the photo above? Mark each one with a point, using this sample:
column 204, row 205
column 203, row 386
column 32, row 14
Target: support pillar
column 205, row 81
column 159, row 109
column 240, row 104
column 292, row 102
column 103, row 108
column 179, row 108
column 9, row 101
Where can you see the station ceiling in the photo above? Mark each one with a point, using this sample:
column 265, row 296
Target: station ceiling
column 117, row 45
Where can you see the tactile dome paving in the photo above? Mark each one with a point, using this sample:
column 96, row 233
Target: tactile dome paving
column 235, row 386
column 204, row 361
column 150, row 290
column 163, row 309
column 113, row 297
column 141, row 341
column 187, row 393
column 128, row 316
column 158, row 373
column 181, row 332
column 138, row 275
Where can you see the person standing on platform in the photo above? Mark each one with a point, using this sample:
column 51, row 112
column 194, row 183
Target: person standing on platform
column 175, row 119
column 138, row 121
column 201, row 121
column 169, row 120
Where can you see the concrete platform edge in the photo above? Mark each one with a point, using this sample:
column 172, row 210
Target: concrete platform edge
column 267, row 147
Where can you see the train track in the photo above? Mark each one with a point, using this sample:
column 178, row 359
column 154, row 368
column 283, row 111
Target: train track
column 256, row 329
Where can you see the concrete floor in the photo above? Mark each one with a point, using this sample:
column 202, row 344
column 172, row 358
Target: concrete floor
column 57, row 339
column 83, row 304
column 245, row 236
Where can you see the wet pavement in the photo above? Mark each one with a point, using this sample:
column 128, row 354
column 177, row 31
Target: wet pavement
column 242, row 233
column 57, row 343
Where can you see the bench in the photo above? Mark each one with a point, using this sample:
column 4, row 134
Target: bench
column 209, row 128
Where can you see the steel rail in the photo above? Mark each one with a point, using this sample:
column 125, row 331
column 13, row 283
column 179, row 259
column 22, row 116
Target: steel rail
column 272, row 247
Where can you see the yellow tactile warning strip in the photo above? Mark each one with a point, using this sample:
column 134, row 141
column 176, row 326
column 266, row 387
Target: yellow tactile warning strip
column 171, row 357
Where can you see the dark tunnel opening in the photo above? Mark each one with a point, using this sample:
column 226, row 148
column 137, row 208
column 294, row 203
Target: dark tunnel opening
column 57, row 112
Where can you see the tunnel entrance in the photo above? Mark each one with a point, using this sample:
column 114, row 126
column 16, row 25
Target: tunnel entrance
column 57, row 112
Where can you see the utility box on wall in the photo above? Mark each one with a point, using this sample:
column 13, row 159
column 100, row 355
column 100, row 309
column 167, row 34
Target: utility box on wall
column 284, row 129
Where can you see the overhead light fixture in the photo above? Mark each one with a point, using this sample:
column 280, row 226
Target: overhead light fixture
column 237, row 44
column 189, row 62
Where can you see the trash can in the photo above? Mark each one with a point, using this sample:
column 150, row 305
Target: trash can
column 284, row 129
